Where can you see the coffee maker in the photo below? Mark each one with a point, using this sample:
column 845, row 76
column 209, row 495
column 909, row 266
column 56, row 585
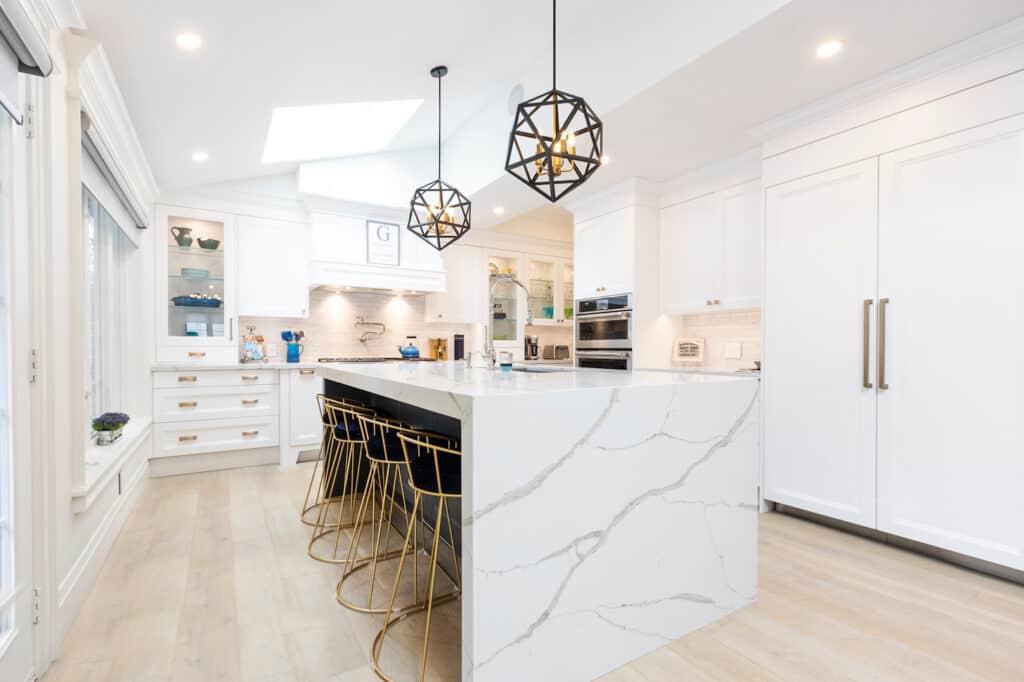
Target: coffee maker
column 532, row 349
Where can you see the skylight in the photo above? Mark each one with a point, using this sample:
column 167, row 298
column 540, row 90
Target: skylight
column 330, row 130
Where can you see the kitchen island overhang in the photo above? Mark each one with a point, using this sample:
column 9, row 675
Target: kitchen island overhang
column 604, row 514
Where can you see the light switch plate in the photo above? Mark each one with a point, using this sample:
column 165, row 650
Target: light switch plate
column 733, row 350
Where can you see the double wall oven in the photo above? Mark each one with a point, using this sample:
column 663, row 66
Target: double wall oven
column 604, row 332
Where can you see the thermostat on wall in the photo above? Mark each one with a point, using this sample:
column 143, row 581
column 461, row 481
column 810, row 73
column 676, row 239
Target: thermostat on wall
column 688, row 349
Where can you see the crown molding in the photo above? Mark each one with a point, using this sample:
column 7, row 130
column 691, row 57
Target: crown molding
column 975, row 48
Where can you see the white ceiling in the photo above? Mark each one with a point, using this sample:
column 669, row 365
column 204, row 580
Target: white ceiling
column 678, row 83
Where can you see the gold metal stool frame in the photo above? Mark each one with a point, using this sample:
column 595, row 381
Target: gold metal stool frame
column 315, row 480
column 432, row 450
column 344, row 456
column 384, row 488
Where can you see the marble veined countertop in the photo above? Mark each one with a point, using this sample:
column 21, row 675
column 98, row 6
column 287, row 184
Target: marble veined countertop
column 454, row 378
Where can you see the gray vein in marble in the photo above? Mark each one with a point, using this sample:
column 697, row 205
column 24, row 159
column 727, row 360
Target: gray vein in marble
column 619, row 517
column 537, row 481
column 572, row 546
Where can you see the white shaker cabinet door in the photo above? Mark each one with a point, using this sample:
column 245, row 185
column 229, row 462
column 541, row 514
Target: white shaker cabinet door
column 605, row 252
column 691, row 258
column 739, row 279
column 819, row 416
column 273, row 268
column 951, row 423
column 306, row 426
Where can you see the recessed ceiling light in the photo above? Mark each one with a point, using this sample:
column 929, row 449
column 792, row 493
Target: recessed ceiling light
column 189, row 41
column 332, row 130
column 829, row 48
column 499, row 210
column 200, row 156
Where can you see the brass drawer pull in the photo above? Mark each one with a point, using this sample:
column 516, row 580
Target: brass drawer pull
column 188, row 379
column 188, row 403
column 882, row 305
column 197, row 354
column 250, row 377
column 307, row 371
column 186, row 439
column 250, row 433
column 250, row 402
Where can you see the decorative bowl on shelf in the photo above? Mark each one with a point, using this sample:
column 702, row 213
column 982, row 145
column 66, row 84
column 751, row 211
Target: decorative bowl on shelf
column 209, row 244
column 198, row 301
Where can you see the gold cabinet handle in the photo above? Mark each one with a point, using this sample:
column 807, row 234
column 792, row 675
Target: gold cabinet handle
column 191, row 379
column 188, row 403
column 250, row 402
column 306, row 371
column 185, row 439
column 250, row 377
column 231, row 329
column 883, row 304
column 866, row 358
column 197, row 354
column 250, row 433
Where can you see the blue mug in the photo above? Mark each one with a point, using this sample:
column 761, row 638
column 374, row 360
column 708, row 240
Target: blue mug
column 294, row 351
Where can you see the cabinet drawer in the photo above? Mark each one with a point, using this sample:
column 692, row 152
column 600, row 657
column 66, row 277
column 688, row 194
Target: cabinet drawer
column 214, row 402
column 216, row 435
column 199, row 378
column 197, row 355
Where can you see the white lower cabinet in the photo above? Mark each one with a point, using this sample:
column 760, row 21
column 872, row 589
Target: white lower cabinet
column 215, row 435
column 305, row 427
column 893, row 394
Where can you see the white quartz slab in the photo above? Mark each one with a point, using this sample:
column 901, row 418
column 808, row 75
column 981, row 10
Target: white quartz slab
column 228, row 366
column 605, row 513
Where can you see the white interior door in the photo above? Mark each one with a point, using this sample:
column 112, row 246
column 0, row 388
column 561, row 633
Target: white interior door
column 16, row 577
column 951, row 424
column 820, row 268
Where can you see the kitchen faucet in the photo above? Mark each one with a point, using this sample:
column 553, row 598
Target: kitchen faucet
column 495, row 279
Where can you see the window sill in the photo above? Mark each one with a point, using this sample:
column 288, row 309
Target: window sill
column 103, row 462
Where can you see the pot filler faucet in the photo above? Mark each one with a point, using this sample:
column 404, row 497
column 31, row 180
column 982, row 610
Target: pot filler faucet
column 495, row 280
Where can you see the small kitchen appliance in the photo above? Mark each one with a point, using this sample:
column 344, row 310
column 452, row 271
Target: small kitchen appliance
column 605, row 323
column 532, row 348
column 409, row 350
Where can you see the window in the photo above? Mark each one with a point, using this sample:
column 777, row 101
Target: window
column 106, row 251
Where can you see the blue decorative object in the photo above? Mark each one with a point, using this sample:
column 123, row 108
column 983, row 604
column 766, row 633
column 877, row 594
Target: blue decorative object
column 197, row 302
column 410, row 351
column 294, row 351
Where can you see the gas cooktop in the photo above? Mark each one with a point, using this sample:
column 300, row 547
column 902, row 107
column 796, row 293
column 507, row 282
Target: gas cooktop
column 391, row 359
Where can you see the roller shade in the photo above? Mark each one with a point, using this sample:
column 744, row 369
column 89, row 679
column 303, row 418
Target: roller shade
column 22, row 50
column 93, row 154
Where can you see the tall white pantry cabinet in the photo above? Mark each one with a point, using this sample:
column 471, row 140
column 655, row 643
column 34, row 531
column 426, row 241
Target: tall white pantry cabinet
column 894, row 315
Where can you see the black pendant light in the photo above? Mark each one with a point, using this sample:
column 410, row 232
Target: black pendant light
column 556, row 141
column 438, row 213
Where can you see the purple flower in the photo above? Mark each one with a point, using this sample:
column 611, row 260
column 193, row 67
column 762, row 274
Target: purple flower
column 109, row 421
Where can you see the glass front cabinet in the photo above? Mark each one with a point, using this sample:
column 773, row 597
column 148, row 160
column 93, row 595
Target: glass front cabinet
column 196, row 286
column 551, row 293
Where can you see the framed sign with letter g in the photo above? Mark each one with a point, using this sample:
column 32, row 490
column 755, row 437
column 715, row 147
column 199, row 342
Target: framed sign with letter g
column 381, row 243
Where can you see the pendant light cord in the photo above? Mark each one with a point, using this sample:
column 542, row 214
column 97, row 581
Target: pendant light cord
column 554, row 43
column 439, row 128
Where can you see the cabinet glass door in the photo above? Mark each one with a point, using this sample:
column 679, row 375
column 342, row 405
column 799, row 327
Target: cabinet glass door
column 505, row 311
column 541, row 284
column 195, row 278
column 568, row 302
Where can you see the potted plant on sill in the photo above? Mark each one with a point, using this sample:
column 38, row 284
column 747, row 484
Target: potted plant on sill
column 108, row 427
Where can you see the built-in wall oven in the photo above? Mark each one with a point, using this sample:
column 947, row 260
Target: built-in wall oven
column 604, row 332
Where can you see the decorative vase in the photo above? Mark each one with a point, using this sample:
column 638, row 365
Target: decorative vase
column 108, row 437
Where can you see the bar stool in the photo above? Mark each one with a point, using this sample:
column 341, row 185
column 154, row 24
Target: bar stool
column 435, row 472
column 315, row 489
column 343, row 457
column 384, row 491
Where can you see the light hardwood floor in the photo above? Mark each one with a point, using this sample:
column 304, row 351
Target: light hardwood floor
column 209, row 580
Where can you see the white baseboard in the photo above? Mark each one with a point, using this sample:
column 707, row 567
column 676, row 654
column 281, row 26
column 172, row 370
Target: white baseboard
column 212, row 461
column 75, row 586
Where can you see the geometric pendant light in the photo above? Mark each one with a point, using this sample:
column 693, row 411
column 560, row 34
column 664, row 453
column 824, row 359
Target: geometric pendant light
column 556, row 140
column 438, row 213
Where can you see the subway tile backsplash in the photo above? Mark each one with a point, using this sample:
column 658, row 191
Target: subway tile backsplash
column 720, row 329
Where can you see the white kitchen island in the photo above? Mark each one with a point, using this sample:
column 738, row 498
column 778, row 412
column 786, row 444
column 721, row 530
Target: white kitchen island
column 604, row 513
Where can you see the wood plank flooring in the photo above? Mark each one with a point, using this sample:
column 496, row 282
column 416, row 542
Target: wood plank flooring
column 209, row 580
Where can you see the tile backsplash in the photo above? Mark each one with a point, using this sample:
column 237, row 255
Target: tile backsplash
column 331, row 329
column 719, row 329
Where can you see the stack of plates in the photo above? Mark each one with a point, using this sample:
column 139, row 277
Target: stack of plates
column 195, row 273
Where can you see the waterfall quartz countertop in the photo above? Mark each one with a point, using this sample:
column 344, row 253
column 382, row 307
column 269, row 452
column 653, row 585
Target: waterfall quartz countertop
column 604, row 513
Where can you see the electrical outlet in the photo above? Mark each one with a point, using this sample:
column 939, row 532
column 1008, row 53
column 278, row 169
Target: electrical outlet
column 733, row 350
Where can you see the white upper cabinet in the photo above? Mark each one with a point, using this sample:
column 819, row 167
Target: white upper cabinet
column 819, row 403
column 711, row 251
column 951, row 420
column 273, row 268
column 465, row 299
column 605, row 254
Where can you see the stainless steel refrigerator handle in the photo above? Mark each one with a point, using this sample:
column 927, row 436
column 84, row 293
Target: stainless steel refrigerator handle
column 866, row 360
column 882, row 304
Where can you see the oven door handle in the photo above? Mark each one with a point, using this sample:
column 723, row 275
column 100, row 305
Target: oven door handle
column 603, row 354
column 616, row 315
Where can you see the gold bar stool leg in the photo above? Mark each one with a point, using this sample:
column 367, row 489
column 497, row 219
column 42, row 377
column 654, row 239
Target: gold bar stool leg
column 434, row 471
column 342, row 458
column 316, row 482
